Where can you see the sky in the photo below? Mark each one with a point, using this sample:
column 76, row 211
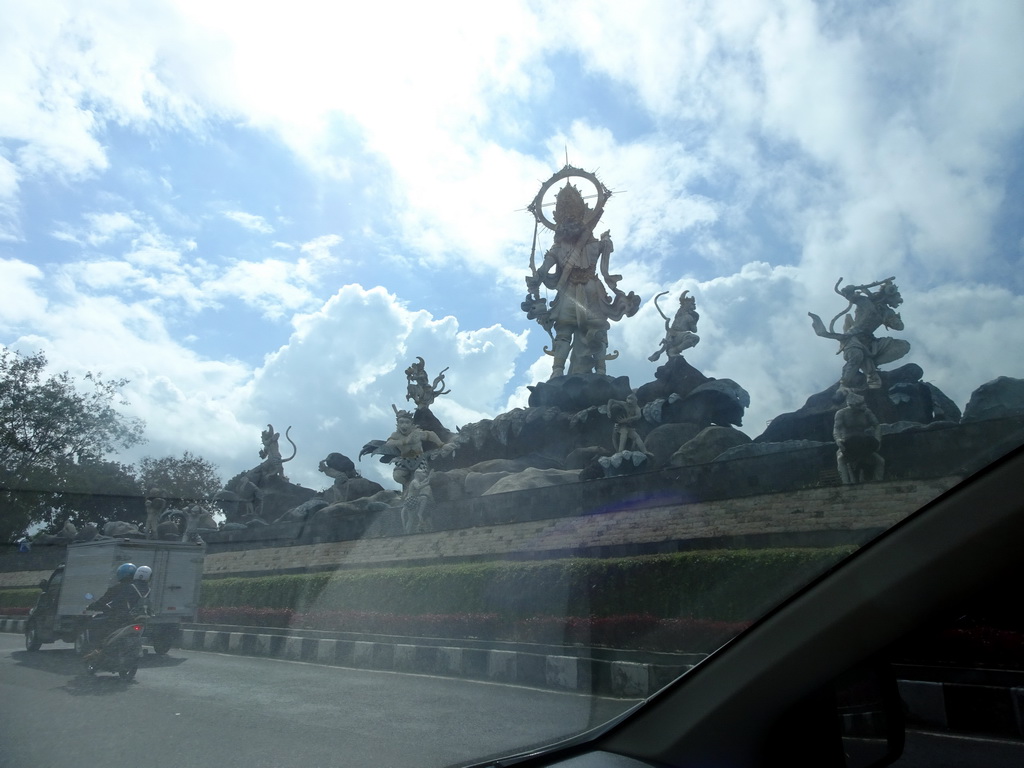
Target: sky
column 264, row 212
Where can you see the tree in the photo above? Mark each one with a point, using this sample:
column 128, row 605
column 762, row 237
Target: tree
column 53, row 437
column 182, row 480
column 94, row 492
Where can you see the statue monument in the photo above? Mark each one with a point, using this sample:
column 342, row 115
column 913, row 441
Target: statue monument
column 273, row 462
column 861, row 350
column 858, row 436
column 626, row 415
column 576, row 268
column 407, row 448
column 681, row 332
column 420, row 389
column 856, row 430
column 245, row 496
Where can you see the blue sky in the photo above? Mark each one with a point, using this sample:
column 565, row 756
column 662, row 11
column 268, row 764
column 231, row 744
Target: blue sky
column 264, row 213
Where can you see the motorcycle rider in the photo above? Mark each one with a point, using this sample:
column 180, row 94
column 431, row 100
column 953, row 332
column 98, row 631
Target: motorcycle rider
column 118, row 604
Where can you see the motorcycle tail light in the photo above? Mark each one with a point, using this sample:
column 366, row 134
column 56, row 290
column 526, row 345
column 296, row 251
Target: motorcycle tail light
column 137, row 628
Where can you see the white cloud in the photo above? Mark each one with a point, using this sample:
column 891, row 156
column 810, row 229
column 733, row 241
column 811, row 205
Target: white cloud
column 70, row 71
column 8, row 178
column 23, row 304
column 249, row 221
column 267, row 285
column 964, row 335
column 106, row 226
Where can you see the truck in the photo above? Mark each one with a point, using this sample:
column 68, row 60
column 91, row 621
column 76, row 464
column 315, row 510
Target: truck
column 88, row 570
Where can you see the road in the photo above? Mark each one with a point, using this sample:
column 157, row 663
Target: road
column 191, row 710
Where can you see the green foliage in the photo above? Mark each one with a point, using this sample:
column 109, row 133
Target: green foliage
column 18, row 599
column 719, row 585
column 53, row 442
column 91, row 491
column 181, row 481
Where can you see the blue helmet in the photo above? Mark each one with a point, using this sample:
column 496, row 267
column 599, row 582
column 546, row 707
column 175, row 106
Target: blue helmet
column 126, row 571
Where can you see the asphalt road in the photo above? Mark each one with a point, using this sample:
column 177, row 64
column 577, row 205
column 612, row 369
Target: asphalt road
column 191, row 709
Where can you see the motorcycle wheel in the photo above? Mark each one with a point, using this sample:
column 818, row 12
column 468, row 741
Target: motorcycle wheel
column 128, row 674
column 32, row 640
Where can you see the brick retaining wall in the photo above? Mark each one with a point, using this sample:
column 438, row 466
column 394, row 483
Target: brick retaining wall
column 808, row 517
column 850, row 513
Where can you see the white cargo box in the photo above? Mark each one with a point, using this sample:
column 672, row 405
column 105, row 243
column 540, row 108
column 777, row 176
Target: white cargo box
column 177, row 575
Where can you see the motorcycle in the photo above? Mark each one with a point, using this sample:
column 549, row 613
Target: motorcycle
column 119, row 652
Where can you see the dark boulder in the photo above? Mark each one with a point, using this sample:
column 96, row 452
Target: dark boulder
column 675, row 377
column 665, row 440
column 578, row 391
column 707, row 446
column 996, row 399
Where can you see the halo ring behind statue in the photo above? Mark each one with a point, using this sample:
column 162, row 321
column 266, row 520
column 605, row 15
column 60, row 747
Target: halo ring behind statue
column 603, row 193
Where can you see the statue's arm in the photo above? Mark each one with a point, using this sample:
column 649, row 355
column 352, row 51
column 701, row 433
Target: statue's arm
column 821, row 330
column 607, row 247
column 839, row 429
column 543, row 274
column 431, row 437
column 875, row 426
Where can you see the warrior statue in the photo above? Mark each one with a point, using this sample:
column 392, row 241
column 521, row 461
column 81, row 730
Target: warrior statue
column 574, row 267
column 419, row 388
column 858, row 436
column 408, row 448
column 861, row 351
column 681, row 331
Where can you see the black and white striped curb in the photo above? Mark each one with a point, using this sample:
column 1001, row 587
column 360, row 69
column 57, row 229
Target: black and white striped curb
column 12, row 625
column 624, row 679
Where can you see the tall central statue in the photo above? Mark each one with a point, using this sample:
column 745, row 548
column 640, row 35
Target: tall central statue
column 576, row 267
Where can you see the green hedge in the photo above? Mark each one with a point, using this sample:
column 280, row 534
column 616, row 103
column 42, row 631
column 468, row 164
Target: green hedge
column 18, row 598
column 733, row 585
column 721, row 585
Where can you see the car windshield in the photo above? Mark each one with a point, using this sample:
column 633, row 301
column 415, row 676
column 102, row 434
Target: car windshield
column 465, row 374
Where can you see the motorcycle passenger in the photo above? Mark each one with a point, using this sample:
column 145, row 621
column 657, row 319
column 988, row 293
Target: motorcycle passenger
column 118, row 604
column 141, row 584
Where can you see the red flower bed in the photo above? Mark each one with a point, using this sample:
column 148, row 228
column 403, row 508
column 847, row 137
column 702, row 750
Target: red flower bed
column 247, row 617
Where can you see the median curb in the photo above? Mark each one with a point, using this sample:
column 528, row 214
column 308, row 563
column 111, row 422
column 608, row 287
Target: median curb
column 582, row 674
column 563, row 672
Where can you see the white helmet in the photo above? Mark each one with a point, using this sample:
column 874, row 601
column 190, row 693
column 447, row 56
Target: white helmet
column 143, row 572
